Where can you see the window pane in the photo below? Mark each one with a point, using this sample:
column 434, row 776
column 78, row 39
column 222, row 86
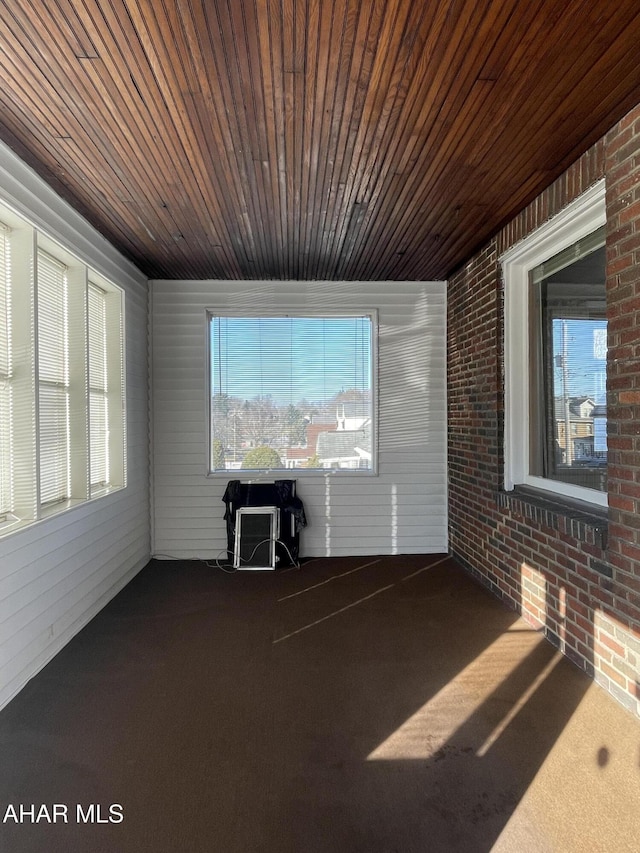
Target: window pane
column 54, row 443
column 53, row 380
column 98, row 439
column 571, row 444
column 52, row 321
column 291, row 392
column 5, row 448
column 97, row 338
column 98, row 390
column 5, row 377
column 4, row 303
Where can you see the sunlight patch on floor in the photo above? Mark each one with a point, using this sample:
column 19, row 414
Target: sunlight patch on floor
column 585, row 795
column 434, row 724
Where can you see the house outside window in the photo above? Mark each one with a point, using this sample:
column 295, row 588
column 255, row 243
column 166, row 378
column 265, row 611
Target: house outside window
column 293, row 392
column 555, row 355
column 568, row 363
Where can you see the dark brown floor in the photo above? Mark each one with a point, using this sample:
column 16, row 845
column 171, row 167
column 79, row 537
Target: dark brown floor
column 363, row 704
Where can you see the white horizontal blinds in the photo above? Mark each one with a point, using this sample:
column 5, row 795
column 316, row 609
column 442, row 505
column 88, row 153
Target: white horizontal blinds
column 62, row 429
column 116, row 432
column 98, row 388
column 6, row 503
column 53, row 380
column 4, row 303
column 274, row 377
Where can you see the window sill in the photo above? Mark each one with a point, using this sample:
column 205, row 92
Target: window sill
column 12, row 524
column 290, row 473
column 586, row 523
column 9, row 523
column 56, row 508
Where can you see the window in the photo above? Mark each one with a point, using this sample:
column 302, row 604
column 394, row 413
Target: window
column 292, row 392
column 53, row 380
column 555, row 355
column 5, row 379
column 106, row 386
column 62, row 429
column 98, row 390
column 568, row 362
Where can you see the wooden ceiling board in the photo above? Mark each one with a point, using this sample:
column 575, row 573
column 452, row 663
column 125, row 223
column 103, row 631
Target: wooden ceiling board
column 486, row 138
column 485, row 141
column 309, row 139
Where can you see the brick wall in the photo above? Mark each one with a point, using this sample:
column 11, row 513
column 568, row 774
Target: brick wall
column 572, row 576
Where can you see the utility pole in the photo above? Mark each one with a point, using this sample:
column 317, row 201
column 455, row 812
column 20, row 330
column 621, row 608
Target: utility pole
column 568, row 443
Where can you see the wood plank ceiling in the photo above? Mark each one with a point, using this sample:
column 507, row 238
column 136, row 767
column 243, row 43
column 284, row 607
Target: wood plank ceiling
column 309, row 139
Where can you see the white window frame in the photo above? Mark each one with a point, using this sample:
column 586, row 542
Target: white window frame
column 27, row 245
column 113, row 390
column 6, row 498
column 583, row 216
column 98, row 378
column 372, row 314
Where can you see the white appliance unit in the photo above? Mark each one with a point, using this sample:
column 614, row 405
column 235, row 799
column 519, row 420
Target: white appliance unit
column 257, row 530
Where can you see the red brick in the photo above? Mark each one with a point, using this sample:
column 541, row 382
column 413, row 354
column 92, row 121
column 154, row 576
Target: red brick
column 629, row 397
column 614, row 675
column 628, row 549
column 498, row 545
column 615, row 647
column 630, row 213
column 623, row 503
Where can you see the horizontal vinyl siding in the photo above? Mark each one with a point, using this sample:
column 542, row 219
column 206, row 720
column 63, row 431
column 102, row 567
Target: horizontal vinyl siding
column 400, row 510
column 57, row 574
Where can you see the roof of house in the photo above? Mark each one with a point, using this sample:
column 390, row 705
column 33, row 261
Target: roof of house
column 343, row 444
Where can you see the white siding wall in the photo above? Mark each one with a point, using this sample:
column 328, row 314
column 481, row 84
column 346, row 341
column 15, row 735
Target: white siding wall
column 56, row 575
column 401, row 510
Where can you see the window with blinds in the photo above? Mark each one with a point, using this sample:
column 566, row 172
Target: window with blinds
column 53, row 380
column 62, row 394
column 292, row 392
column 6, row 502
column 98, row 389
